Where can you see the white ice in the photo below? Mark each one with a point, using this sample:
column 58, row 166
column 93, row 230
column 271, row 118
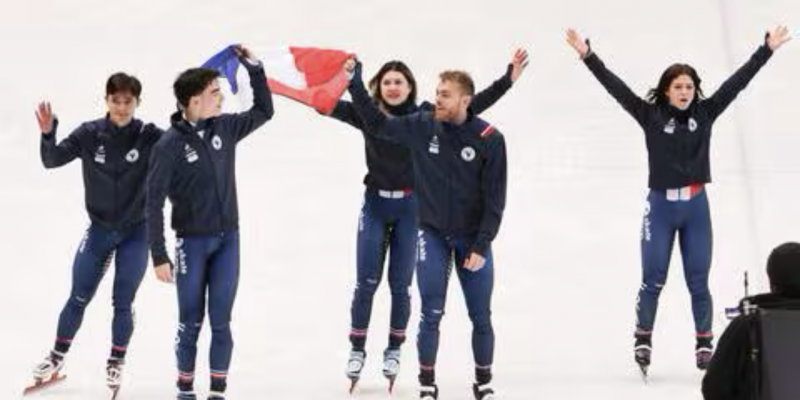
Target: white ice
column 567, row 257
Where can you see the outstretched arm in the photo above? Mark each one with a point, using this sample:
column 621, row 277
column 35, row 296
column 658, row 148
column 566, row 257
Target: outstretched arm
column 56, row 155
column 729, row 89
column 262, row 110
column 346, row 112
column 376, row 122
column 487, row 97
column 632, row 103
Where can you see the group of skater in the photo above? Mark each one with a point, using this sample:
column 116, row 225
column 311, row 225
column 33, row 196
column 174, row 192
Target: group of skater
column 434, row 197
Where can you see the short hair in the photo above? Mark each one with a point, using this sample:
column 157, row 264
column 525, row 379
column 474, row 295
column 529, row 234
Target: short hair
column 121, row 82
column 192, row 82
column 461, row 78
column 783, row 269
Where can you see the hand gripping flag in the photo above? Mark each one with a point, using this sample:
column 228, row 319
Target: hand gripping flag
column 309, row 75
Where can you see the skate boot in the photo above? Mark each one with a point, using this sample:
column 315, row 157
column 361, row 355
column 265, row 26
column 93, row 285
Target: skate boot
column 354, row 366
column 47, row 372
column 428, row 392
column 50, row 367
column 483, row 392
column 391, row 365
column 216, row 395
column 702, row 352
column 114, row 375
column 641, row 353
column 186, row 395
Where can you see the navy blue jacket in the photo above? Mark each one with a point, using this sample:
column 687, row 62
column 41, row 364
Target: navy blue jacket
column 459, row 170
column 198, row 173
column 114, row 161
column 678, row 140
column 389, row 164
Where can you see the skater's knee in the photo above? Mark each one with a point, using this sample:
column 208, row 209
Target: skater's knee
column 367, row 286
column 221, row 333
column 653, row 287
column 78, row 301
column 189, row 329
column 399, row 289
column 481, row 321
column 432, row 317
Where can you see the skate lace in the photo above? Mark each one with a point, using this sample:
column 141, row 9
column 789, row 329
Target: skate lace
column 113, row 374
column 484, row 392
column 49, row 366
column 427, row 392
column 391, row 361
column 356, row 362
column 703, row 354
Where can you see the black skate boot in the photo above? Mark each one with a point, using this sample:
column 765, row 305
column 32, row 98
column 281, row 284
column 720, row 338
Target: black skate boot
column 483, row 392
column 703, row 351
column 642, row 350
column 428, row 392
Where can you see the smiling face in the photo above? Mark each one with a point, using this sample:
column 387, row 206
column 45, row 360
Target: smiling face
column 451, row 102
column 681, row 92
column 207, row 104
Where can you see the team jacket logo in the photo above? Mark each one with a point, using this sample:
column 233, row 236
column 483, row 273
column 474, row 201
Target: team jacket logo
column 433, row 145
column 190, row 154
column 669, row 128
column 692, row 125
column 100, row 155
column 468, row 154
column 132, row 156
column 216, row 142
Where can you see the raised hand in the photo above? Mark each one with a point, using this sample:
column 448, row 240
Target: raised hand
column 518, row 63
column 349, row 67
column 44, row 116
column 576, row 41
column 777, row 37
column 244, row 52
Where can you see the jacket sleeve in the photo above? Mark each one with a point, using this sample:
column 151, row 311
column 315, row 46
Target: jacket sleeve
column 70, row 148
column 346, row 112
column 262, row 111
column 729, row 89
column 159, row 178
column 493, row 188
column 376, row 122
column 727, row 375
column 632, row 103
column 487, row 97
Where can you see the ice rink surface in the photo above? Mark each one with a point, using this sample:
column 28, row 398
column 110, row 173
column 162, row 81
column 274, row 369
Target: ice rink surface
column 567, row 256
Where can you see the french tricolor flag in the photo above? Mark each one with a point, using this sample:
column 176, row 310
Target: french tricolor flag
column 309, row 75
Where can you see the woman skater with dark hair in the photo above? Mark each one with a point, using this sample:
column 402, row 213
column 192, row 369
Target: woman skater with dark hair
column 388, row 219
column 677, row 121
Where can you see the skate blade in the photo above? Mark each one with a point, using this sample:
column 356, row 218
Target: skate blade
column 643, row 372
column 391, row 380
column 44, row 383
column 353, row 384
column 114, row 392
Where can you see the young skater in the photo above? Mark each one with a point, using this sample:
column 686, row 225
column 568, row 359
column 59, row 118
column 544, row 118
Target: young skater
column 677, row 121
column 193, row 165
column 388, row 219
column 460, row 178
column 114, row 151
